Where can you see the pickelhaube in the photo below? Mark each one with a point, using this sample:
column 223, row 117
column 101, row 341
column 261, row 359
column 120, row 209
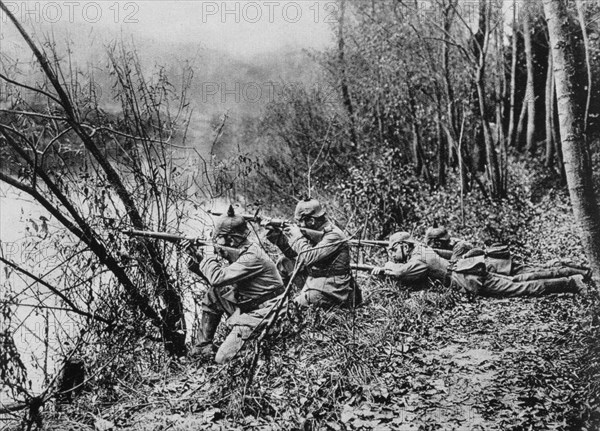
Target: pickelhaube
column 439, row 233
column 231, row 225
column 308, row 208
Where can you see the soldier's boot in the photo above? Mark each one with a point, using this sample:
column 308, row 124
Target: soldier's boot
column 204, row 348
column 578, row 284
column 578, row 269
column 572, row 284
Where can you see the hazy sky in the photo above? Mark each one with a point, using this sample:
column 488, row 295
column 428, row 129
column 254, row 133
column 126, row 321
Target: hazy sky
column 240, row 27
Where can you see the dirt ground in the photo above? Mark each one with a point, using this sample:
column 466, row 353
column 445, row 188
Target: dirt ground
column 487, row 364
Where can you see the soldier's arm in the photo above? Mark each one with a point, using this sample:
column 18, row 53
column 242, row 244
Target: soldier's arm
column 247, row 266
column 410, row 272
column 313, row 254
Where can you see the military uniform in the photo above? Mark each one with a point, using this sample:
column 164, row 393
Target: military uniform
column 328, row 279
column 498, row 258
column 245, row 291
column 324, row 274
column 471, row 275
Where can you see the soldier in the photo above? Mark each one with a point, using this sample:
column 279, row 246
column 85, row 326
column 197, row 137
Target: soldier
column 438, row 237
column 498, row 258
column 245, row 290
column 325, row 277
column 411, row 262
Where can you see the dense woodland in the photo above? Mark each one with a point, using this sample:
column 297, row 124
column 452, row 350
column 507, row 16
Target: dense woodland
column 480, row 116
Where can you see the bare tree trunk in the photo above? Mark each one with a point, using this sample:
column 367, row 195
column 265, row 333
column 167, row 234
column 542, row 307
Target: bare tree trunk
column 556, row 138
column 414, row 127
column 478, row 47
column 550, row 147
column 586, row 45
column 490, row 148
column 576, row 153
column 513, row 79
column 442, row 147
column 530, row 92
column 501, row 95
column 521, row 125
column 346, row 100
column 452, row 132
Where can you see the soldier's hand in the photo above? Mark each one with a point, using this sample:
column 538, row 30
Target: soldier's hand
column 189, row 246
column 378, row 271
column 292, row 231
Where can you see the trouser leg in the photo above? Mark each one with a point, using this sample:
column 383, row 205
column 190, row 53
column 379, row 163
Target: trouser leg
column 214, row 305
column 244, row 326
column 209, row 322
column 546, row 273
column 495, row 285
column 217, row 300
column 233, row 343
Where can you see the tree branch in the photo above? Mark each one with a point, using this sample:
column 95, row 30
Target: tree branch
column 56, row 291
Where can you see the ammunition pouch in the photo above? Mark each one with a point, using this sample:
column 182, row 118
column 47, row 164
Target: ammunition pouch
column 498, row 259
column 470, row 265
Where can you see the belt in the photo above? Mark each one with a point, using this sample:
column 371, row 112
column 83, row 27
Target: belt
column 254, row 303
column 321, row 273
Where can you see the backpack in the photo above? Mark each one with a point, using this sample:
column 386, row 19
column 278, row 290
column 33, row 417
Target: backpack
column 498, row 259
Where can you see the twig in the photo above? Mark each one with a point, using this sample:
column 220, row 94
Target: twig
column 56, row 291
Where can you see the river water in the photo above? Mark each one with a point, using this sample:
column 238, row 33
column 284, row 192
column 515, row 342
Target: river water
column 43, row 334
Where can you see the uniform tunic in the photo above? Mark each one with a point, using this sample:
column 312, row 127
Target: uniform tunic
column 329, row 279
column 423, row 262
column 236, row 290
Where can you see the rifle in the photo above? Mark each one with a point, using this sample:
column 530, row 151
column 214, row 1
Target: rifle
column 175, row 238
column 275, row 223
column 368, row 242
column 362, row 267
column 446, row 254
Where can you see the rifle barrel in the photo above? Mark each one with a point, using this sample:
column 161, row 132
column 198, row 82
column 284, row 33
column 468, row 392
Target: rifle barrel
column 362, row 267
column 368, row 242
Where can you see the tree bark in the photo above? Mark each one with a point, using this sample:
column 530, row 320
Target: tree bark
column 513, row 79
column 556, row 138
column 490, row 148
column 442, row 146
column 501, row 95
column 576, row 153
column 550, row 147
column 452, row 131
column 588, row 66
column 346, row 100
column 530, row 92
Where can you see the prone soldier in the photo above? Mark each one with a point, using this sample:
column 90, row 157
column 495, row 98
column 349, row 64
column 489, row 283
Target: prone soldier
column 411, row 262
column 498, row 258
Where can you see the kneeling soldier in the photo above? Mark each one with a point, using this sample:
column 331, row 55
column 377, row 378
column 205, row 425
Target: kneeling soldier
column 411, row 262
column 325, row 279
column 245, row 290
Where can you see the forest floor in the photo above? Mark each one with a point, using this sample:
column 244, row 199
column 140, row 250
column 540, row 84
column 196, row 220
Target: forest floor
column 427, row 360
column 420, row 360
